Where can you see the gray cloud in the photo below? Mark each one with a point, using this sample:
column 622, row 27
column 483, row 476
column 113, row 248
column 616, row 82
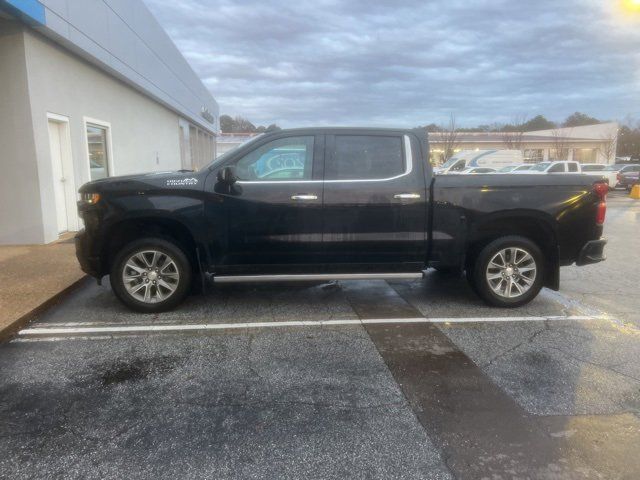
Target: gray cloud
column 408, row 63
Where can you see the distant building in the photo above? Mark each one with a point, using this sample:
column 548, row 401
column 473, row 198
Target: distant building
column 89, row 88
column 229, row 141
column 587, row 144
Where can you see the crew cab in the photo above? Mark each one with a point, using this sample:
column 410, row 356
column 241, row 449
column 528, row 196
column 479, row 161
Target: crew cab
column 335, row 203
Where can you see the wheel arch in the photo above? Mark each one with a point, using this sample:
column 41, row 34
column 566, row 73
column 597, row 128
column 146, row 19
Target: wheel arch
column 537, row 227
column 168, row 228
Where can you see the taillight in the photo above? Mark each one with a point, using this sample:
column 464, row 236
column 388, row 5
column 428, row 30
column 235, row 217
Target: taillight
column 601, row 190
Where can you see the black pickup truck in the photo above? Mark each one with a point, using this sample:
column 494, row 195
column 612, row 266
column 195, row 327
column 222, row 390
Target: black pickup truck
column 335, row 203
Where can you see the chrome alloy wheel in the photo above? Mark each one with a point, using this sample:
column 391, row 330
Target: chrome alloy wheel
column 511, row 272
column 150, row 276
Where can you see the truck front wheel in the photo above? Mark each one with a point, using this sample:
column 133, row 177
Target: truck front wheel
column 508, row 272
column 151, row 275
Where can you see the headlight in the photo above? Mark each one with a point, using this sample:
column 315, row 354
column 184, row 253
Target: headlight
column 90, row 198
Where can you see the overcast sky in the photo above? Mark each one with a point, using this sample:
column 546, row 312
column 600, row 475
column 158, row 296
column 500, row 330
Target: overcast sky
column 326, row 62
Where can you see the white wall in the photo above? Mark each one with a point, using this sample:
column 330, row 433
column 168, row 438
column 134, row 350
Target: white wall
column 125, row 38
column 144, row 134
column 20, row 213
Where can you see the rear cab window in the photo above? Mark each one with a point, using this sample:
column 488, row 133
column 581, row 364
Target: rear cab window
column 365, row 157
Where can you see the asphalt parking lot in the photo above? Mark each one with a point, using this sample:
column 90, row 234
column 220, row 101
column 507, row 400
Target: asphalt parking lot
column 395, row 379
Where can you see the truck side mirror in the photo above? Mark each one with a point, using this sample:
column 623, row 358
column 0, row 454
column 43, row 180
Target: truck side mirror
column 227, row 175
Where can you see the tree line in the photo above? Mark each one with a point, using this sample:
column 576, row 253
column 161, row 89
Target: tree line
column 521, row 124
column 240, row 124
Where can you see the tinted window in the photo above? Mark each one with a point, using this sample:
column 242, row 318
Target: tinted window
column 573, row 167
column 365, row 157
column 283, row 159
column 558, row 167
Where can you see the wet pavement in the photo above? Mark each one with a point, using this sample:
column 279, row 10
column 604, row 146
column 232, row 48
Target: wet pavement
column 455, row 390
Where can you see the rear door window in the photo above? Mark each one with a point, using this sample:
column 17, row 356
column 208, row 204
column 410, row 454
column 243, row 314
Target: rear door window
column 365, row 157
column 573, row 167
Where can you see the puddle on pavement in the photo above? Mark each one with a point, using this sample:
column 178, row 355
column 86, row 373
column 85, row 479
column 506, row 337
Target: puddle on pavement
column 137, row 369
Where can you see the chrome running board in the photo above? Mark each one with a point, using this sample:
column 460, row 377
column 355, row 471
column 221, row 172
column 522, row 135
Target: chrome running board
column 314, row 277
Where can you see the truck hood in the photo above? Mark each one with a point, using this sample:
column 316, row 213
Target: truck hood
column 183, row 180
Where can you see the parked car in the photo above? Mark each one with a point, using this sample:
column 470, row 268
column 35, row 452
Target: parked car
column 476, row 170
column 363, row 205
column 617, row 171
column 515, row 168
column 558, row 166
column 480, row 158
column 611, row 174
column 628, row 179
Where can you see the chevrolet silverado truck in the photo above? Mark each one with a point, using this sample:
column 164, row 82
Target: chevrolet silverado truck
column 335, row 203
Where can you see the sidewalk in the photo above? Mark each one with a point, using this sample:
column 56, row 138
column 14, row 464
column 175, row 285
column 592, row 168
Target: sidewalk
column 32, row 277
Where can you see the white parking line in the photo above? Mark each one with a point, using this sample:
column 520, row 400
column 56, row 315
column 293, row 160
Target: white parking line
column 79, row 328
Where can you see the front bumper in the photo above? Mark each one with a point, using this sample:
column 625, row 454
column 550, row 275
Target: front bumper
column 88, row 263
column 592, row 252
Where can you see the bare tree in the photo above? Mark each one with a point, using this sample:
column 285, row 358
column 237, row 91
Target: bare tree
column 610, row 145
column 449, row 136
column 513, row 137
column 560, row 145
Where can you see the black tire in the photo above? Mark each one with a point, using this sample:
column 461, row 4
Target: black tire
column 478, row 274
column 164, row 247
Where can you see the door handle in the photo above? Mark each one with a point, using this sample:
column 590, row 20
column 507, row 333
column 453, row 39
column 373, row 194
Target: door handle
column 407, row 196
column 304, row 197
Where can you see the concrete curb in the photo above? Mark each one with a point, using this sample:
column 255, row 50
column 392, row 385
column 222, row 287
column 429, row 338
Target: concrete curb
column 10, row 330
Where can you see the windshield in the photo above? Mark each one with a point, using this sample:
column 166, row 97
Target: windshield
column 228, row 153
column 508, row 169
column 541, row 167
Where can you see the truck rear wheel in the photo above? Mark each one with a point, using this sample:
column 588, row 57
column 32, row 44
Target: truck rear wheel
column 508, row 272
column 151, row 275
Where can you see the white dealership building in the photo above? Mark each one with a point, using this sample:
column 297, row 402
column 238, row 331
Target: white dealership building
column 89, row 88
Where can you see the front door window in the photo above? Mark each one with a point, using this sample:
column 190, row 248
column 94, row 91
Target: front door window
column 288, row 158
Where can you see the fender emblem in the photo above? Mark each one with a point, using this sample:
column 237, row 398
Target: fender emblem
column 179, row 182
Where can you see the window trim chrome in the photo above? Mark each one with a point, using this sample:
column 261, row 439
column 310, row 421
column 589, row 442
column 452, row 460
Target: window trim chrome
column 408, row 156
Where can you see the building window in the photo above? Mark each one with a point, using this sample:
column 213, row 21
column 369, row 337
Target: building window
column 533, row 155
column 98, row 151
column 185, row 161
column 201, row 146
column 585, row 155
